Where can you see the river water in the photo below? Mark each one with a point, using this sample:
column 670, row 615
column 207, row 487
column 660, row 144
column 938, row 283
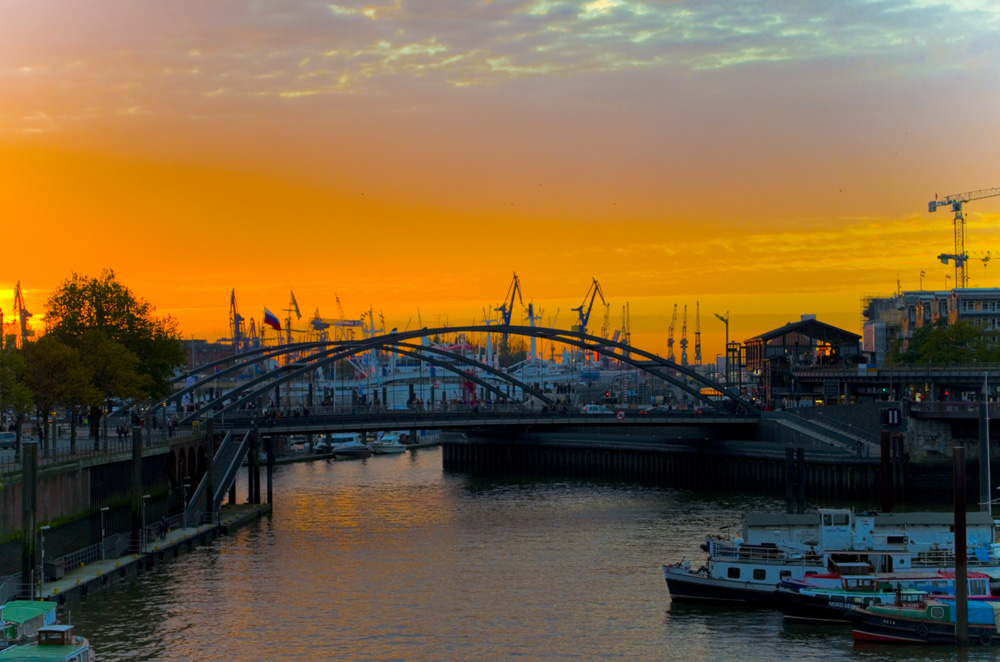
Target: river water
column 392, row 558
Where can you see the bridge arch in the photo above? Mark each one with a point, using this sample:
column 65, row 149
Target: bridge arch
column 335, row 350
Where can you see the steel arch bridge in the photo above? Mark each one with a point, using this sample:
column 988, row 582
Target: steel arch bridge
column 310, row 356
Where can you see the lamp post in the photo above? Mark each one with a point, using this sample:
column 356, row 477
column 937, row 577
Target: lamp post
column 103, row 510
column 41, row 576
column 142, row 539
column 184, row 505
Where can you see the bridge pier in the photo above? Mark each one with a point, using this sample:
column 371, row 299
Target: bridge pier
column 136, row 491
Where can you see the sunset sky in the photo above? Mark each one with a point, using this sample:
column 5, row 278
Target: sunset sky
column 769, row 159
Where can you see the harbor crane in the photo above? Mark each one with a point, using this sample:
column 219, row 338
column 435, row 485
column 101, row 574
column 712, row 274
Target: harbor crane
column 697, row 333
column 670, row 336
column 956, row 202
column 507, row 307
column 593, row 292
column 684, row 337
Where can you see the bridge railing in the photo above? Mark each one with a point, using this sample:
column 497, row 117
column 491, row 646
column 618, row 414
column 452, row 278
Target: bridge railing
column 59, row 451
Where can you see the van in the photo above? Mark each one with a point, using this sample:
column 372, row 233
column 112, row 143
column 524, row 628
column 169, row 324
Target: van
column 7, row 439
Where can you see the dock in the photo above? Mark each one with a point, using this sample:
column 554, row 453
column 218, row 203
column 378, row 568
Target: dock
column 81, row 581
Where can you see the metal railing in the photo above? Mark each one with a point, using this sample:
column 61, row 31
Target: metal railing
column 59, row 451
column 10, row 587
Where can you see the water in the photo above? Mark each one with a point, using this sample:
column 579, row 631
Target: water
column 393, row 559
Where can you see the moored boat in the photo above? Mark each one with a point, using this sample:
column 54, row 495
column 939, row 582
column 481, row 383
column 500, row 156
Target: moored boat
column 20, row 620
column 388, row 443
column 828, row 599
column 777, row 547
column 55, row 642
column 925, row 620
column 351, row 447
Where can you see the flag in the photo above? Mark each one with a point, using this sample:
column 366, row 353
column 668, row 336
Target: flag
column 922, row 274
column 295, row 305
column 271, row 320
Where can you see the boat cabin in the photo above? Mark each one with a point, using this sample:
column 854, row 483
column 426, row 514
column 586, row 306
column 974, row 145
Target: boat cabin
column 55, row 635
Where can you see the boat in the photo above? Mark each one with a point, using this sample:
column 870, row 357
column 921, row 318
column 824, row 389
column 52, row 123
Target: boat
column 388, row 443
column 925, row 620
column 351, row 447
column 20, row 620
column 778, row 547
column 54, row 642
column 828, row 599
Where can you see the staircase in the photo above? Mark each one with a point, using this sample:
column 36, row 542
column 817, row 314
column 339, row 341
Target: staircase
column 825, row 434
column 225, row 464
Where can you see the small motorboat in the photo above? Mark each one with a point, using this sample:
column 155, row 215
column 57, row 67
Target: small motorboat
column 55, row 642
column 388, row 443
column 351, row 448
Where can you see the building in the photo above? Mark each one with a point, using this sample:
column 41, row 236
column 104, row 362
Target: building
column 771, row 357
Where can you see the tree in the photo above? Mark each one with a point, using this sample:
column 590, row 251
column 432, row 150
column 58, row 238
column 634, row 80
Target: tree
column 56, row 376
column 942, row 343
column 15, row 396
column 130, row 334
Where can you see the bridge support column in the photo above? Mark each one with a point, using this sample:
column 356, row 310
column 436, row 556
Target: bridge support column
column 137, row 523
column 210, row 470
column 29, row 501
column 254, row 465
column 269, row 445
column 984, row 456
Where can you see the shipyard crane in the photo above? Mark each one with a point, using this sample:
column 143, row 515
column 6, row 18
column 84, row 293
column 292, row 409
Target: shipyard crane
column 684, row 337
column 956, row 202
column 606, row 326
column 697, row 333
column 592, row 293
column 507, row 307
column 670, row 336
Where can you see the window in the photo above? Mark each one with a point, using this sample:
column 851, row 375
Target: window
column 841, row 519
column 937, row 612
column 759, row 574
column 733, row 573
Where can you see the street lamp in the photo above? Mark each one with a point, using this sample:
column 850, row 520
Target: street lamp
column 142, row 540
column 103, row 510
column 184, row 505
column 41, row 533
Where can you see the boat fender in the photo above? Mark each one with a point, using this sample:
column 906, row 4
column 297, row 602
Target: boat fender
column 922, row 630
column 985, row 639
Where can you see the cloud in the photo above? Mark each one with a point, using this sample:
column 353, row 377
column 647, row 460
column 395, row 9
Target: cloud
column 158, row 58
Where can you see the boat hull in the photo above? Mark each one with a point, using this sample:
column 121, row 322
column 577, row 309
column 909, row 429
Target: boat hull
column 879, row 629
column 688, row 586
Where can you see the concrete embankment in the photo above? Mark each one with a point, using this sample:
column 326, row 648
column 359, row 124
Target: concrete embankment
column 79, row 582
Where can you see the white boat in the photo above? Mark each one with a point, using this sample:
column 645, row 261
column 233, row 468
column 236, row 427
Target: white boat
column 388, row 443
column 777, row 547
column 349, row 446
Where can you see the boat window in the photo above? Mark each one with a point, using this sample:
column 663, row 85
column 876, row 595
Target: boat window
column 827, row 520
column 841, row 519
column 937, row 612
column 759, row 574
column 785, row 574
column 734, row 573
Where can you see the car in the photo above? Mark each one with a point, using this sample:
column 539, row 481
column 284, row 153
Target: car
column 7, row 439
column 595, row 409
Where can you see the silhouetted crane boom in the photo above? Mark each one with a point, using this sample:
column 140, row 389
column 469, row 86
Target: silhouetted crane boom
column 592, row 293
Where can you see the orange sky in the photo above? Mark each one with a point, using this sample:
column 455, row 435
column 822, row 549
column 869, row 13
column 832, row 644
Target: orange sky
column 766, row 160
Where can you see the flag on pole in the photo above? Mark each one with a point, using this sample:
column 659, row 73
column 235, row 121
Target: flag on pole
column 271, row 320
column 295, row 305
column 922, row 274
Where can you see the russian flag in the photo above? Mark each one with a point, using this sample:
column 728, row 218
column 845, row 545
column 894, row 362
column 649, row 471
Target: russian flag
column 271, row 320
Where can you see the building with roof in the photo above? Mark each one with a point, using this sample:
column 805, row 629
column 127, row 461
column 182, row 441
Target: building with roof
column 772, row 356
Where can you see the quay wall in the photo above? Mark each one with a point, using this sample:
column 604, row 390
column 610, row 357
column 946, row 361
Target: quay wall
column 689, row 467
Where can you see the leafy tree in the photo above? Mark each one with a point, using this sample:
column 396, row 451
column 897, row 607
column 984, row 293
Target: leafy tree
column 132, row 352
column 15, row 396
column 56, row 376
column 961, row 342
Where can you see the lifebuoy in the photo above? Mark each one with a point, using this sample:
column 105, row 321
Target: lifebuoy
column 985, row 639
column 922, row 630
